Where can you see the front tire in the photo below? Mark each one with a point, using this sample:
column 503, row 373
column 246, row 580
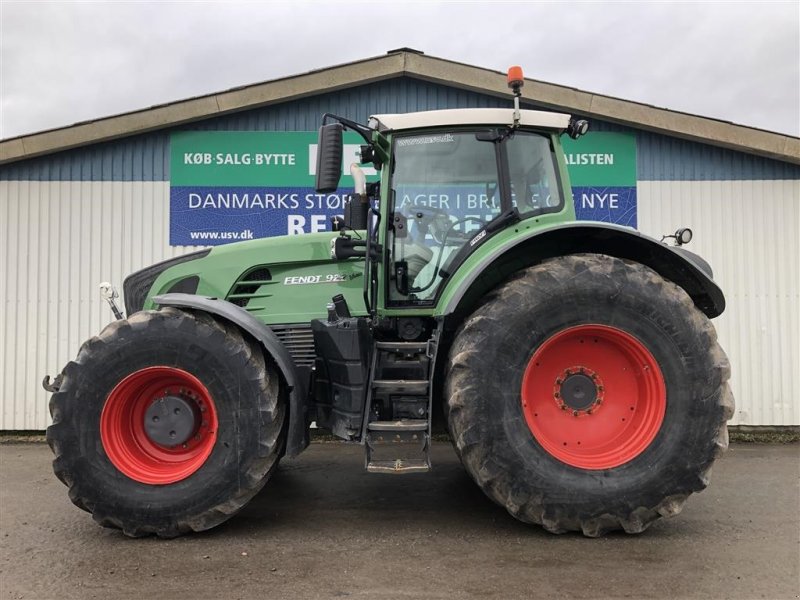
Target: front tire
column 165, row 423
column 588, row 394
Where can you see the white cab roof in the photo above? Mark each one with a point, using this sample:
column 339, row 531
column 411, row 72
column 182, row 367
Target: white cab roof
column 468, row 116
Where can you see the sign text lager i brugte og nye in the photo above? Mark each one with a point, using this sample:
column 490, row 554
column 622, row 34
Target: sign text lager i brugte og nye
column 228, row 186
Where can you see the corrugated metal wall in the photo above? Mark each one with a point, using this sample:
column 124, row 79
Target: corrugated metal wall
column 73, row 219
column 58, row 241
column 750, row 233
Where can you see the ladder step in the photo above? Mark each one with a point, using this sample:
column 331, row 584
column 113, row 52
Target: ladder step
column 400, row 425
column 400, row 386
column 402, row 346
column 399, row 466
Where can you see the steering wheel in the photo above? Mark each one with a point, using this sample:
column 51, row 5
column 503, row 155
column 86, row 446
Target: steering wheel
column 437, row 222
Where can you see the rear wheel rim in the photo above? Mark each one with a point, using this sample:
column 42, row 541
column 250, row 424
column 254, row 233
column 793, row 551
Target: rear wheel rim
column 593, row 396
column 127, row 421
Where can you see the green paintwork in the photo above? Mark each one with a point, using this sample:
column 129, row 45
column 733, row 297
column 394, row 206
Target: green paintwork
column 286, row 257
column 283, row 300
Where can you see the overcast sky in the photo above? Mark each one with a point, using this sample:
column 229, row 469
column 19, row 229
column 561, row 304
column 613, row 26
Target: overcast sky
column 66, row 62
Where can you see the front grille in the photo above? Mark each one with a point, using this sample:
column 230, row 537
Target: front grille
column 247, row 286
column 299, row 341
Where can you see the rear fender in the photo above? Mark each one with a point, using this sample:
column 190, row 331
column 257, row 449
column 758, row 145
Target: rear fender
column 297, row 435
column 680, row 266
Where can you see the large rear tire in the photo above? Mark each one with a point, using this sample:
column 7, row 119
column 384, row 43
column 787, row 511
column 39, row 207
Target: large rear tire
column 588, row 394
column 165, row 423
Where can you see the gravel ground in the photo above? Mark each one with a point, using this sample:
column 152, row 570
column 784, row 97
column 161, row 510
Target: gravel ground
column 323, row 528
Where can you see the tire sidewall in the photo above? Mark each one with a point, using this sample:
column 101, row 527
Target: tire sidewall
column 174, row 341
column 684, row 444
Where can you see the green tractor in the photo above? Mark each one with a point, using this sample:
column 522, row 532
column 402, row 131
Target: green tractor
column 573, row 364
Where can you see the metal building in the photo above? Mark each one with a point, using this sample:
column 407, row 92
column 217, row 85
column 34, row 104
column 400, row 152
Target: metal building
column 91, row 202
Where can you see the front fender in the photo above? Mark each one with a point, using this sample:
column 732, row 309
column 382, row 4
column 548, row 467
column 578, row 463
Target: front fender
column 297, row 435
column 487, row 268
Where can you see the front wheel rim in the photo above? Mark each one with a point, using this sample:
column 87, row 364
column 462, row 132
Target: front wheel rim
column 136, row 450
column 593, row 396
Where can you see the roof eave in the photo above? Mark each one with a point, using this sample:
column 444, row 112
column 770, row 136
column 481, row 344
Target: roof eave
column 203, row 107
column 622, row 112
column 413, row 64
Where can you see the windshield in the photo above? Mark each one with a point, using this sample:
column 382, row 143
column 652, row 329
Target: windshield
column 446, row 187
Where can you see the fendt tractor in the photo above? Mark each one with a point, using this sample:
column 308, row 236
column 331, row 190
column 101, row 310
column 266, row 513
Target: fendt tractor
column 572, row 363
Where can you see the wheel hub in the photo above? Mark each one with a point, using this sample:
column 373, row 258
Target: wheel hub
column 171, row 420
column 578, row 391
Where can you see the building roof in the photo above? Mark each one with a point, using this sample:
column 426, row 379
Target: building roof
column 470, row 116
column 409, row 63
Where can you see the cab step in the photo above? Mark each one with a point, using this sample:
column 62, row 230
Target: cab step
column 402, row 386
column 400, row 425
column 409, row 348
column 397, row 420
column 399, row 466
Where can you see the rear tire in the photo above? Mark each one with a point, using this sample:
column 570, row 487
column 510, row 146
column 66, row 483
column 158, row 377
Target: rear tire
column 517, row 407
column 100, row 438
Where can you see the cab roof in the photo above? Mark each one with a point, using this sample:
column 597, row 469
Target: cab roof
column 468, row 116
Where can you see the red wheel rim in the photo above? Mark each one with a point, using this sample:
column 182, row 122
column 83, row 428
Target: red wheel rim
column 126, row 441
column 593, row 396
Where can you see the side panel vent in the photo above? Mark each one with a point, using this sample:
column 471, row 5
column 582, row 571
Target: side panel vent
column 247, row 286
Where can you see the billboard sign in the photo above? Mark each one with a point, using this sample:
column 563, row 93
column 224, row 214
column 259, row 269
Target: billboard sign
column 228, row 186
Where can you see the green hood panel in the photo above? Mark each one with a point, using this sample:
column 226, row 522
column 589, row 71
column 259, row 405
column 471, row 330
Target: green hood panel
column 300, row 279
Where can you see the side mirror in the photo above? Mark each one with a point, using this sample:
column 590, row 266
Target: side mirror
column 329, row 158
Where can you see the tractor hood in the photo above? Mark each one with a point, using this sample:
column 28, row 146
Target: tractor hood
column 279, row 278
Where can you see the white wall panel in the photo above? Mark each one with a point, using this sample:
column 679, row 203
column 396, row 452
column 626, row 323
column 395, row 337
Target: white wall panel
column 58, row 240
column 750, row 233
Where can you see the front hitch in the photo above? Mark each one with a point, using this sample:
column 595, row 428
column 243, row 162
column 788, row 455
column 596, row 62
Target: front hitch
column 55, row 385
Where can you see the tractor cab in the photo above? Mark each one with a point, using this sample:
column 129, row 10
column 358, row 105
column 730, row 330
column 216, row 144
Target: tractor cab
column 450, row 180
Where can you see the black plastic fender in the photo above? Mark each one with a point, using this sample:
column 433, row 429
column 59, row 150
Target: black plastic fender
column 297, row 437
column 682, row 267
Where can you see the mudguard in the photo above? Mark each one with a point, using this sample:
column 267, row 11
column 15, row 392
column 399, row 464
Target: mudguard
column 297, row 438
column 487, row 270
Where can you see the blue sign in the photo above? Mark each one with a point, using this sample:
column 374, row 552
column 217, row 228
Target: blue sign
column 607, row 204
column 209, row 216
column 234, row 186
